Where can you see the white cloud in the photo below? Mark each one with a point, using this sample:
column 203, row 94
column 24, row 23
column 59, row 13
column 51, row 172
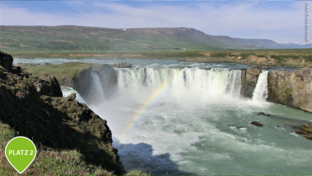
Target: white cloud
column 240, row 19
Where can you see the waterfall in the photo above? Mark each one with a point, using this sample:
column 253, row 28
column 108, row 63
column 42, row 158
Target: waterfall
column 261, row 90
column 213, row 82
column 234, row 83
column 96, row 93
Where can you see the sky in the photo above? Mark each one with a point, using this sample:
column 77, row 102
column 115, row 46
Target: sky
column 281, row 21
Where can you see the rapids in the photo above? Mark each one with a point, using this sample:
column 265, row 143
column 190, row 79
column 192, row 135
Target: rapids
column 170, row 117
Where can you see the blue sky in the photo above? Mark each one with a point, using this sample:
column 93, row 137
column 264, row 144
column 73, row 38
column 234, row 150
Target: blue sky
column 281, row 21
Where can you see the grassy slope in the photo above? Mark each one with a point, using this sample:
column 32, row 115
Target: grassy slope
column 52, row 161
column 64, row 73
column 70, row 38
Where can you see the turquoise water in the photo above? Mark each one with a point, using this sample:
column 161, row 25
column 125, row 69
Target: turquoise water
column 199, row 124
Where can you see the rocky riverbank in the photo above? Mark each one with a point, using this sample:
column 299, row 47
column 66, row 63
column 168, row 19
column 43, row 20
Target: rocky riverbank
column 290, row 88
column 35, row 108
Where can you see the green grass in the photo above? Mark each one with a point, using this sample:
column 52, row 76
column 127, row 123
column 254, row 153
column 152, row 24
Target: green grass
column 172, row 54
column 219, row 54
column 245, row 55
column 64, row 73
column 53, row 162
column 281, row 60
column 62, row 38
column 308, row 58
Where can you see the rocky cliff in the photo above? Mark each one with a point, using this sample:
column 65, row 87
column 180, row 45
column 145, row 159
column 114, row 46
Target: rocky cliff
column 249, row 81
column 291, row 88
column 79, row 76
column 108, row 78
column 36, row 109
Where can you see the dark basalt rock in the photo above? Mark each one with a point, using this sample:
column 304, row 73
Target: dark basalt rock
column 49, row 86
column 82, row 82
column 291, row 88
column 6, row 60
column 256, row 123
column 300, row 132
column 249, row 81
column 309, row 136
column 304, row 130
column 71, row 97
column 262, row 113
column 108, row 78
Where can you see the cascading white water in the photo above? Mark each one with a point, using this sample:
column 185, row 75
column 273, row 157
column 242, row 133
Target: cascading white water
column 96, row 92
column 207, row 83
column 260, row 93
column 234, row 88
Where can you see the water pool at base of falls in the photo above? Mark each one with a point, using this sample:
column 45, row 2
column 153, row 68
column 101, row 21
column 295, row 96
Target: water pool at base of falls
column 189, row 118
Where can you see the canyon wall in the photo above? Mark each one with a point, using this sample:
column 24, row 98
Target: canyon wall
column 291, row 88
column 79, row 76
column 249, row 81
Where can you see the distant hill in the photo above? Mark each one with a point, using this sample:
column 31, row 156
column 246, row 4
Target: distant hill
column 266, row 43
column 270, row 44
column 294, row 45
column 56, row 38
column 94, row 39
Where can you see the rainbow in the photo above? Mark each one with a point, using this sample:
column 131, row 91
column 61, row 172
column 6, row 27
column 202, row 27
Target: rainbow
column 138, row 114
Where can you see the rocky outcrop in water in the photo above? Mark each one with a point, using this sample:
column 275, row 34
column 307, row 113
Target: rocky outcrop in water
column 305, row 130
column 291, row 88
column 36, row 109
column 249, row 81
column 256, row 123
